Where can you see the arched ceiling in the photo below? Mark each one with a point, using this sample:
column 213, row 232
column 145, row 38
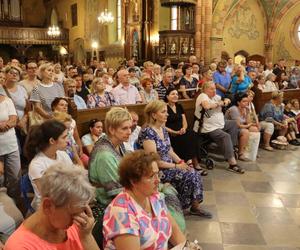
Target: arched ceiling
column 272, row 7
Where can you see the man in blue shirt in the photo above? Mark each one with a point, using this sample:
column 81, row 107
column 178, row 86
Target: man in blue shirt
column 222, row 79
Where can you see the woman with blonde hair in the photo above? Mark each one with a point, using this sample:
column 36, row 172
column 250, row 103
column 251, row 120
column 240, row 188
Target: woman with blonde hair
column 154, row 138
column 99, row 97
column 46, row 91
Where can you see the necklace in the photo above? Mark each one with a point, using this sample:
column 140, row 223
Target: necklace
column 146, row 206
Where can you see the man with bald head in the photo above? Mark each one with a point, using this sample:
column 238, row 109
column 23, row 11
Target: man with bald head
column 125, row 93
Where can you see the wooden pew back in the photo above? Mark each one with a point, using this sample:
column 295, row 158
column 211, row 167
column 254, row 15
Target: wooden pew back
column 261, row 98
column 84, row 116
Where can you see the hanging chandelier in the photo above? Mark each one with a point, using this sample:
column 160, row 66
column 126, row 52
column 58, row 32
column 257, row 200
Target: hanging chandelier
column 106, row 17
column 53, row 31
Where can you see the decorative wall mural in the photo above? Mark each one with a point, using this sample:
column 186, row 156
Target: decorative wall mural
column 244, row 23
column 281, row 51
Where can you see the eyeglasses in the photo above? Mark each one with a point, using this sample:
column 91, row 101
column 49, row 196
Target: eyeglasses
column 32, row 68
column 154, row 176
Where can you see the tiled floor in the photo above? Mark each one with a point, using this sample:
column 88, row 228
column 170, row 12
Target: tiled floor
column 259, row 210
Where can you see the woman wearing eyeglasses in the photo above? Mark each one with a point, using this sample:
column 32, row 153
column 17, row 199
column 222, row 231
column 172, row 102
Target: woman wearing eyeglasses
column 138, row 217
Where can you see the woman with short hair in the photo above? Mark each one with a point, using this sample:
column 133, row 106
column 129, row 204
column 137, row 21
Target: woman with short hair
column 64, row 220
column 99, row 96
column 147, row 93
column 188, row 82
column 146, row 221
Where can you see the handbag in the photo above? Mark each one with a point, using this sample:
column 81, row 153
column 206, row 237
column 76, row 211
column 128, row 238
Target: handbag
column 187, row 246
column 34, row 118
column 252, row 146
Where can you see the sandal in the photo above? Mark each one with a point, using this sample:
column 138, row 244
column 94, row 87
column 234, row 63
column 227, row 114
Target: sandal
column 268, row 148
column 201, row 171
column 236, row 169
column 201, row 212
column 243, row 158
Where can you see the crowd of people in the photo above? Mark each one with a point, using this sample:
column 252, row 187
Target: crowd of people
column 123, row 186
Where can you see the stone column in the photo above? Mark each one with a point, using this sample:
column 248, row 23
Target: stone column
column 198, row 30
column 268, row 52
column 207, row 17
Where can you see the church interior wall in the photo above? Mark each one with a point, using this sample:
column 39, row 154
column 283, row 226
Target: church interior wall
column 244, row 29
column 284, row 45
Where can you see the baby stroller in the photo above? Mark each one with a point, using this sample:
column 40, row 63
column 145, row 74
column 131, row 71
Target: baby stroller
column 203, row 142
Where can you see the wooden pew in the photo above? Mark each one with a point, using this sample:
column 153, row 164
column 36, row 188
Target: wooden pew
column 84, row 116
column 261, row 98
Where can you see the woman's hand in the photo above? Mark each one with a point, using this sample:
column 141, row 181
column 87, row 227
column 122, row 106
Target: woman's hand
column 85, row 222
column 183, row 166
column 1, row 168
column 182, row 131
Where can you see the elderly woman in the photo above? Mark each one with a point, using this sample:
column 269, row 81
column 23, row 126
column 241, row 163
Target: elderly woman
column 149, row 224
column 64, row 220
column 100, row 97
column 240, row 113
column 96, row 131
column 9, row 152
column 273, row 111
column 296, row 111
column 155, row 138
column 270, row 84
column 45, row 145
column 210, row 121
column 148, row 94
column 59, row 76
column 188, row 82
column 181, row 138
column 46, row 91
column 19, row 96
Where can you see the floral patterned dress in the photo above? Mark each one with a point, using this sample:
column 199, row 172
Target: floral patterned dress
column 187, row 183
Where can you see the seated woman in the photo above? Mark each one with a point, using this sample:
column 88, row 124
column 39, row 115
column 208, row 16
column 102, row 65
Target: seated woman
column 266, row 127
column 210, row 121
column 147, row 223
column 260, row 83
column 147, row 93
column 99, row 97
column 104, row 165
column 181, row 138
column 296, row 110
column 154, row 138
column 96, row 131
column 240, row 113
column 71, row 148
column 44, row 146
column 61, row 104
column 270, row 84
column 273, row 112
column 188, row 82
column 64, row 220
column 292, row 122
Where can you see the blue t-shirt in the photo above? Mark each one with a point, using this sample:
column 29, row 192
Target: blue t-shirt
column 240, row 87
column 223, row 80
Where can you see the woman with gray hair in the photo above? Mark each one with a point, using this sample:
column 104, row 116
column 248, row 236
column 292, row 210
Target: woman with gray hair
column 64, row 220
column 270, row 84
